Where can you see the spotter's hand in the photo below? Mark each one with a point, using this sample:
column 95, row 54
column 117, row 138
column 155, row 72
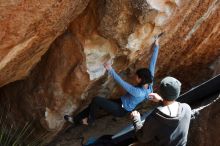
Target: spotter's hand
column 135, row 114
column 155, row 97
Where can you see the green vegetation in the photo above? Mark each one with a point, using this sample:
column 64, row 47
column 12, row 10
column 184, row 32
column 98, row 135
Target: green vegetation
column 11, row 135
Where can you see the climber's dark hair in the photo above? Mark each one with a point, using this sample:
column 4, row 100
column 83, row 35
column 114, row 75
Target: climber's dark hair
column 145, row 75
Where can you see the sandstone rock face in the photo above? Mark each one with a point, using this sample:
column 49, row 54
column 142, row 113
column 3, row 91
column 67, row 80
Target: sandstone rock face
column 27, row 30
column 57, row 48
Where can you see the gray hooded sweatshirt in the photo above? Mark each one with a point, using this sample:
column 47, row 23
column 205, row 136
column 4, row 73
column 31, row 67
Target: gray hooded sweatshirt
column 160, row 129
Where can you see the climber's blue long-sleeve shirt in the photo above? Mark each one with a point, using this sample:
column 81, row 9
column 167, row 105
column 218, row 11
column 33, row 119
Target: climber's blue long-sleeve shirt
column 135, row 95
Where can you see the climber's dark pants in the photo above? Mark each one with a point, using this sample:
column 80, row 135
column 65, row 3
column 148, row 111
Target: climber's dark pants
column 114, row 107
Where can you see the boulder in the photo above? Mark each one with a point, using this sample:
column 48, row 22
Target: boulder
column 52, row 52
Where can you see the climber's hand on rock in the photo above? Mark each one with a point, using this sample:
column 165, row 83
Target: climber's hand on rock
column 107, row 65
column 155, row 97
column 157, row 37
column 157, row 42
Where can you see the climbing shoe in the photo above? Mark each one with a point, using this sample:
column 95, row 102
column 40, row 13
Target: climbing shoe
column 69, row 119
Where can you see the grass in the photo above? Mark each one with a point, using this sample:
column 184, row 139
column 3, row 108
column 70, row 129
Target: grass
column 12, row 135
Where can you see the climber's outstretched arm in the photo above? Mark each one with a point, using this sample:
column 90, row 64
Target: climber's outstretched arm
column 135, row 91
column 154, row 57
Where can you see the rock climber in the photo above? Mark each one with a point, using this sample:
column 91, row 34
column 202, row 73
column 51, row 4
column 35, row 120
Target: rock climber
column 127, row 103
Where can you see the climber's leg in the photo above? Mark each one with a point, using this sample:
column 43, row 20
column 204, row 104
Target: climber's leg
column 113, row 107
column 78, row 118
column 83, row 114
column 109, row 106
